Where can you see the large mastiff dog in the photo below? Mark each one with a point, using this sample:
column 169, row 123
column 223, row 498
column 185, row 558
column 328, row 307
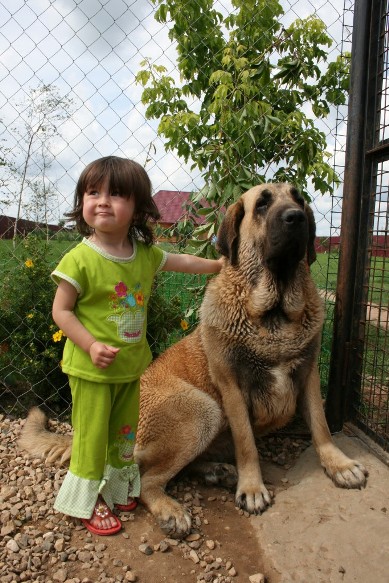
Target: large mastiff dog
column 249, row 363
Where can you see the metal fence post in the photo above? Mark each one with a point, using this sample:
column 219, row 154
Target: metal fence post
column 350, row 222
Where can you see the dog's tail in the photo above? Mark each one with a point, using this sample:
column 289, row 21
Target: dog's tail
column 37, row 440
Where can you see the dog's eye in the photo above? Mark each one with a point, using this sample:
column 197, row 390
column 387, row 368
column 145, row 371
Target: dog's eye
column 263, row 201
column 297, row 197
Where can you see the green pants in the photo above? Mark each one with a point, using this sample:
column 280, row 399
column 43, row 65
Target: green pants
column 105, row 420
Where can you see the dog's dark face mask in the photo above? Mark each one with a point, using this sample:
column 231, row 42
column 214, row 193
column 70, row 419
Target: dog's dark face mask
column 287, row 240
column 279, row 220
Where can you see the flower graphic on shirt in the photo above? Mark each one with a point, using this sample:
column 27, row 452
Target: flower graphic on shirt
column 139, row 297
column 127, row 305
column 121, row 289
column 130, row 300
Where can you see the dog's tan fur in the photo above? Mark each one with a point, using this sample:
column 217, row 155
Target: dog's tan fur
column 247, row 365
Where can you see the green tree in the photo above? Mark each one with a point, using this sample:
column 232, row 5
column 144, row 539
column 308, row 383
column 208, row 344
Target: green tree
column 5, row 171
column 41, row 115
column 43, row 194
column 249, row 94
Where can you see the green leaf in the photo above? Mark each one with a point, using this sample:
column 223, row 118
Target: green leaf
column 246, row 99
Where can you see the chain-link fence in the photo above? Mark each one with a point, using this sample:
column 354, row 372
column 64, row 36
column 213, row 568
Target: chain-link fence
column 358, row 386
column 210, row 97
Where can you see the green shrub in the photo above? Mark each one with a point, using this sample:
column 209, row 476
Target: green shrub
column 165, row 322
column 31, row 345
column 31, row 348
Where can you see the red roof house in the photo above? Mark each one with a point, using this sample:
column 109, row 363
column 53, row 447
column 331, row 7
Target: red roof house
column 172, row 205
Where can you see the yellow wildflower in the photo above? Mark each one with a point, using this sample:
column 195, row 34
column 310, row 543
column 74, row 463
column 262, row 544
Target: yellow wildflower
column 57, row 336
column 29, row 263
column 29, row 316
column 184, row 324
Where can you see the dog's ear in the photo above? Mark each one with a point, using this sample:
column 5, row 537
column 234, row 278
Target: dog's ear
column 228, row 235
column 311, row 251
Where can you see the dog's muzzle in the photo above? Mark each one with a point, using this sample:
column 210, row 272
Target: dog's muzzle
column 286, row 241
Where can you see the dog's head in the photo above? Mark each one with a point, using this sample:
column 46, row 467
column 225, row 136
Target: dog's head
column 275, row 222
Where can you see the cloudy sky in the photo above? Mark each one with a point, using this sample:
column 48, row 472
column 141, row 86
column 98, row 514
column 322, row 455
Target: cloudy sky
column 91, row 51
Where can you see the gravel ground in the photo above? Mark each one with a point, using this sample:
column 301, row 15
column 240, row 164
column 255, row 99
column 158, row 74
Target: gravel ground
column 38, row 544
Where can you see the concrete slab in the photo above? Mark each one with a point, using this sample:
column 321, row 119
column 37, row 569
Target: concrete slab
column 316, row 532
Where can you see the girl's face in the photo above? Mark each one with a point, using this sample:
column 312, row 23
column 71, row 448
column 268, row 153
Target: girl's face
column 107, row 212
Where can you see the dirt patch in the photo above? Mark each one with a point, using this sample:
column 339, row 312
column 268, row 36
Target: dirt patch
column 39, row 544
column 224, row 546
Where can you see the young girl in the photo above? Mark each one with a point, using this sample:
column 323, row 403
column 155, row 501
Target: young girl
column 104, row 285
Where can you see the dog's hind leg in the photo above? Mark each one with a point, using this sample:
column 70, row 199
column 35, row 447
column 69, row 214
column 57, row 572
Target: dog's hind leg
column 214, row 473
column 344, row 472
column 188, row 421
column 216, row 466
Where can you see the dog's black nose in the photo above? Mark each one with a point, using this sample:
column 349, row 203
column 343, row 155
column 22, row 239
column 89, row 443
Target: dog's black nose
column 293, row 216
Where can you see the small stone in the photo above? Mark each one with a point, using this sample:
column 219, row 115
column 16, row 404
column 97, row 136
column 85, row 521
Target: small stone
column 164, row 546
column 12, row 546
column 145, row 549
column 8, row 528
column 210, row 544
column 257, row 578
column 130, row 576
column 59, row 545
column 84, row 556
column 232, row 572
column 60, row 575
column 215, row 565
column 192, row 537
column 172, row 542
column 194, row 556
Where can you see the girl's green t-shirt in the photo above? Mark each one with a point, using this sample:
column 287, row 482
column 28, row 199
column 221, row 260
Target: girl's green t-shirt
column 113, row 294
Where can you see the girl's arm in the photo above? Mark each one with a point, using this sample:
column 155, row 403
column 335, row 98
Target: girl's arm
column 186, row 263
column 63, row 315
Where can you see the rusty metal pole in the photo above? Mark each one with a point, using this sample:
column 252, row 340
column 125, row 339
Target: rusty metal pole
column 352, row 189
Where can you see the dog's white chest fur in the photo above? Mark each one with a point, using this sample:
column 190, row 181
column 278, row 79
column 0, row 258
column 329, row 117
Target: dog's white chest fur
column 281, row 402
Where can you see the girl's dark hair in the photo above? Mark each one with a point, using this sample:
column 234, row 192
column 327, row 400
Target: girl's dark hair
column 127, row 178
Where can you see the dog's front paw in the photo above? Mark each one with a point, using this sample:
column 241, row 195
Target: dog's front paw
column 174, row 521
column 352, row 474
column 255, row 501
